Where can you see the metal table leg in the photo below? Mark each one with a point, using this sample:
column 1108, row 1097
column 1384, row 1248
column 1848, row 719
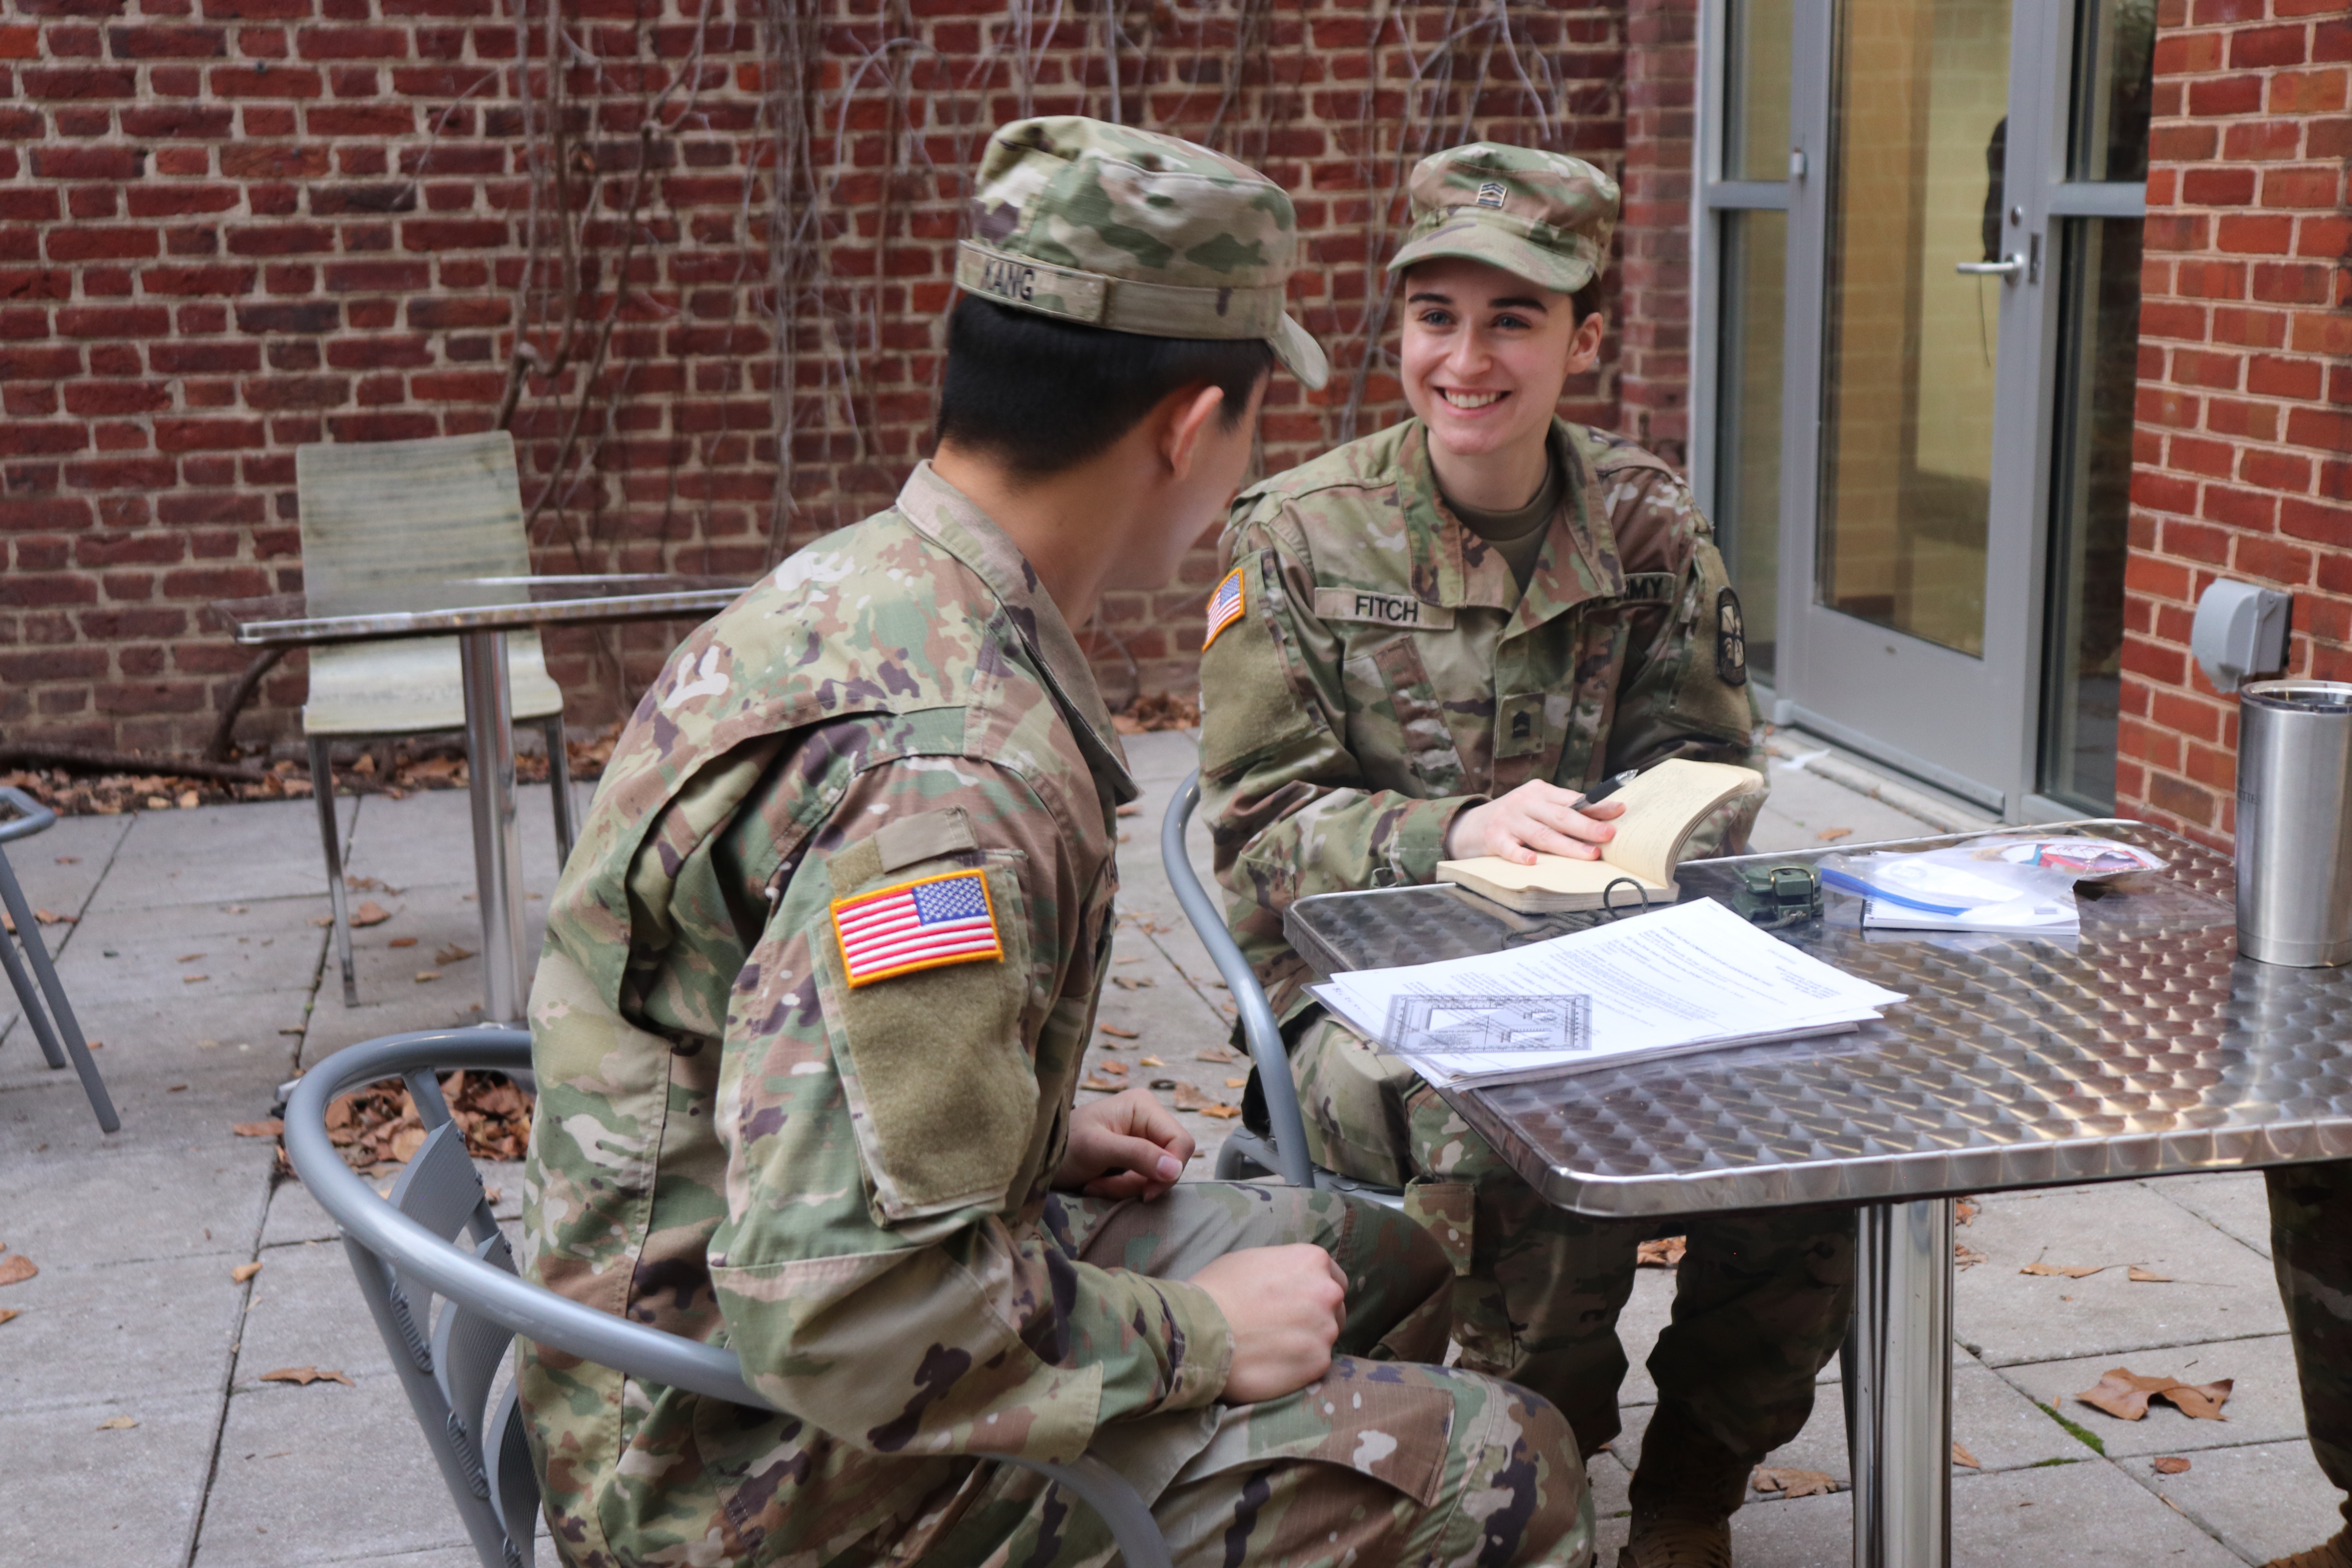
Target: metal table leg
column 1900, row 1363
column 497, row 849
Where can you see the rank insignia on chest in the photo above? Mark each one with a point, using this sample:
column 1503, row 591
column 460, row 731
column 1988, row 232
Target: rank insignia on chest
column 921, row 924
column 1225, row 606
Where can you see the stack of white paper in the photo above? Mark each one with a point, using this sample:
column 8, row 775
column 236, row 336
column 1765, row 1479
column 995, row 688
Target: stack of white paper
column 1690, row 978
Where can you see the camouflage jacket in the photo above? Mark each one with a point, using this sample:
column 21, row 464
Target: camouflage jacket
column 1384, row 671
column 748, row 1132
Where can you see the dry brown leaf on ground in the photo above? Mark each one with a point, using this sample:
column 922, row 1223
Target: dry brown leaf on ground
column 1220, row 1055
column 16, row 1267
column 1664, row 1253
column 1964, row 1210
column 2124, row 1394
column 1113, row 1030
column 1960, row 1456
column 401, row 941
column 2170, row 1464
column 2139, row 1275
column 1132, row 808
column 370, row 914
column 244, row 1271
column 1188, row 1098
column 192, row 979
column 1966, row 1257
column 1116, row 1069
column 322, row 920
column 450, row 952
column 2070, row 1271
column 51, row 918
column 269, row 1129
column 9, row 1312
column 1237, row 1083
column 1133, row 982
column 1792, row 1483
column 117, row 1424
column 1099, row 1087
column 304, row 1376
column 1150, row 1062
column 1832, row 834
column 427, row 976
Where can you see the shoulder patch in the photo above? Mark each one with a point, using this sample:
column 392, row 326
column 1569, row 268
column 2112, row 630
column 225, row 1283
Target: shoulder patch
column 1730, row 639
column 1225, row 606
column 926, row 923
column 1381, row 609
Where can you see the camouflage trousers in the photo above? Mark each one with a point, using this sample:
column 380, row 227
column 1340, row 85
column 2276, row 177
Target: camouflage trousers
column 2310, row 1248
column 1382, row 1462
column 1762, row 1298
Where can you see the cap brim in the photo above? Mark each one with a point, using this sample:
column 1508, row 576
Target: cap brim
column 1475, row 241
column 1300, row 354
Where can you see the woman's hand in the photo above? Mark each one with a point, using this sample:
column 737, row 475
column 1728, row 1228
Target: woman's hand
column 1127, row 1146
column 1536, row 818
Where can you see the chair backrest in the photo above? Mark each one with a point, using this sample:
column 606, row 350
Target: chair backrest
column 379, row 518
column 449, row 1357
column 1258, row 1025
column 436, row 1237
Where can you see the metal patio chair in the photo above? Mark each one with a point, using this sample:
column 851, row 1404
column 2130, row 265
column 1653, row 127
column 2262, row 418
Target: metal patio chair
column 1245, row 1154
column 45, row 1009
column 436, row 1237
column 382, row 522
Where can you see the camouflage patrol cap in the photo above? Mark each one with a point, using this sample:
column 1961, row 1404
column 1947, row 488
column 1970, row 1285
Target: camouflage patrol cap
column 1543, row 216
column 1135, row 232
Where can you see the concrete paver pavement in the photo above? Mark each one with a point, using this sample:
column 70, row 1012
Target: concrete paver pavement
column 134, row 1313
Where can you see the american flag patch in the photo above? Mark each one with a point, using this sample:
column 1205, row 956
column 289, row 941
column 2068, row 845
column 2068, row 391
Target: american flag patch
column 921, row 924
column 1224, row 605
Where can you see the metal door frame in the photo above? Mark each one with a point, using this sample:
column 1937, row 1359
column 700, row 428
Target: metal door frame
column 2042, row 40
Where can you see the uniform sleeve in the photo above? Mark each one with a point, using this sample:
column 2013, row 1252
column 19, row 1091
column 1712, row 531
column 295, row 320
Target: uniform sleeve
column 891, row 1115
column 1290, row 811
column 1683, row 696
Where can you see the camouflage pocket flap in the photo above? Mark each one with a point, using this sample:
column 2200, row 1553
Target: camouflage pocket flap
column 1393, row 1421
column 1446, row 1210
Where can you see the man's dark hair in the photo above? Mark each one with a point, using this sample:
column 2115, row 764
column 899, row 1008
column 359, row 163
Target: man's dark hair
column 1041, row 395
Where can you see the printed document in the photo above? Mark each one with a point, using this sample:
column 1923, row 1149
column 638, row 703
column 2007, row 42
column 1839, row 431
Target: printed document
column 1693, row 977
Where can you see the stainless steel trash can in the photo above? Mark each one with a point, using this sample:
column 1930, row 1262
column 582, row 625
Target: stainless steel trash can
column 2294, row 821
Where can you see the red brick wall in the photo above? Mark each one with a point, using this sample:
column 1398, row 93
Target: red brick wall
column 231, row 227
column 2244, row 460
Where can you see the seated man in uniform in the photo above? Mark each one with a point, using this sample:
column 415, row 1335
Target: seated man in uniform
column 819, row 977
column 1429, row 643
column 2310, row 1248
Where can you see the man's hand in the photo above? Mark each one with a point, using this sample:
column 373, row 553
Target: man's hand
column 1535, row 818
column 1129, row 1146
column 1283, row 1306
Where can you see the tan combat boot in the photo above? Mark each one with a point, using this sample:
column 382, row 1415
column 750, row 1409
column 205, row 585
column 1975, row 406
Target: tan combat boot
column 1684, row 1493
column 2332, row 1554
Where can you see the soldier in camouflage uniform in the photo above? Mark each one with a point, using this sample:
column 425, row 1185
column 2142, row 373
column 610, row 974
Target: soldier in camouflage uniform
column 1398, row 671
column 2310, row 1248
column 819, row 977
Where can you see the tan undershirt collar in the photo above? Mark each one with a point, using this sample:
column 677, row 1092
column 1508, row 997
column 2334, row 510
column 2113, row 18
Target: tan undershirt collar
column 1516, row 535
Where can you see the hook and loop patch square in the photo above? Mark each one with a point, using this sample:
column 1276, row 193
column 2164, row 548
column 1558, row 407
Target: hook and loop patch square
column 922, row 924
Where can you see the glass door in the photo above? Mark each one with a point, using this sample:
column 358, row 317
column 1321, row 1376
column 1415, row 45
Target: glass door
column 1945, row 249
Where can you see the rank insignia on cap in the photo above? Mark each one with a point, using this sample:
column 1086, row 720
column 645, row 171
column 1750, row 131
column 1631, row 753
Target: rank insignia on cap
column 1225, row 606
column 1491, row 194
column 921, row 924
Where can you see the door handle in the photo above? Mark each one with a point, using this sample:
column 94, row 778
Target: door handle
column 2008, row 267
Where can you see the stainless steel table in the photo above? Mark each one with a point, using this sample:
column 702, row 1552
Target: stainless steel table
column 2145, row 1046
column 481, row 611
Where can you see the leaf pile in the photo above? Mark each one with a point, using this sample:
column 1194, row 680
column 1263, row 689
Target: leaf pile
column 436, row 765
column 2124, row 1394
column 1158, row 710
column 376, row 1127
